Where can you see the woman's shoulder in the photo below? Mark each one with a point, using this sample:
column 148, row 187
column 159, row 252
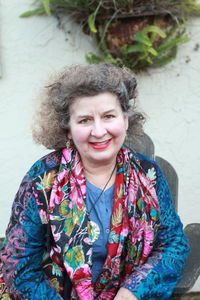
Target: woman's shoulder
column 45, row 164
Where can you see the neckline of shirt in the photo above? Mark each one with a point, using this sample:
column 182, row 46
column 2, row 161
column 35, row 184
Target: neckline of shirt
column 93, row 187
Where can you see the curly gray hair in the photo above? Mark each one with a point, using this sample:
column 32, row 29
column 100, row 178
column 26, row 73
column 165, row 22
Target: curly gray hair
column 51, row 122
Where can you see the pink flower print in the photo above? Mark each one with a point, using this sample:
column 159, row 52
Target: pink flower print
column 115, row 266
column 137, row 231
column 132, row 196
column 69, row 242
column 83, row 272
column 132, row 221
column 133, row 190
column 55, row 251
column 57, row 235
column 37, row 198
column 148, row 241
column 83, row 287
column 67, row 155
column 75, row 195
column 108, row 295
column 43, row 216
column 89, row 253
column 57, row 193
column 85, row 290
column 70, row 205
column 79, row 171
column 124, row 232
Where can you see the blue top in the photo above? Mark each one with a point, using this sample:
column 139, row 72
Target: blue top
column 100, row 214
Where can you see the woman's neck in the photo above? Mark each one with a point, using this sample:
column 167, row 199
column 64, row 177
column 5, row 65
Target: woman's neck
column 102, row 176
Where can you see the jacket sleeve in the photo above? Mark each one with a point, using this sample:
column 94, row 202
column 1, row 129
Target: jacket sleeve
column 158, row 276
column 22, row 253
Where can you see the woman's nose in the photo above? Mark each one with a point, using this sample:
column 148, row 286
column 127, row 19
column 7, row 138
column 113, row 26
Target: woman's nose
column 98, row 129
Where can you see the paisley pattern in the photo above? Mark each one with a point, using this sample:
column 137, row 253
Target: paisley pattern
column 49, row 242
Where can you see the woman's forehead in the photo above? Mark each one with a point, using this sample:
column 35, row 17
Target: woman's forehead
column 102, row 102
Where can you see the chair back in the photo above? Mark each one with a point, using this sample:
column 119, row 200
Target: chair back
column 143, row 144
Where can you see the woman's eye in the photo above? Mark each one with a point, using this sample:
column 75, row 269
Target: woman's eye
column 109, row 116
column 84, row 121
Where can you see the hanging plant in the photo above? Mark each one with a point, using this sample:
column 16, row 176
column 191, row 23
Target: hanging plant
column 133, row 33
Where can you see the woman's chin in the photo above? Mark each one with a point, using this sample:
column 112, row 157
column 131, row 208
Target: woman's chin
column 103, row 156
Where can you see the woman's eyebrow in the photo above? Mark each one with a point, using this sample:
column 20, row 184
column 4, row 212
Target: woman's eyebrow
column 109, row 111
column 83, row 116
column 90, row 114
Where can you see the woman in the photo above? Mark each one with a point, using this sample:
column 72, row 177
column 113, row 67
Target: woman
column 92, row 220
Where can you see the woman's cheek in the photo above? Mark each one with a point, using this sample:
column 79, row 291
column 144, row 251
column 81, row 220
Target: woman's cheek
column 117, row 129
column 80, row 134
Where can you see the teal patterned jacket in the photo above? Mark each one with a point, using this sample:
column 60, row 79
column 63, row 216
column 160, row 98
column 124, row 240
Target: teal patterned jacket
column 30, row 273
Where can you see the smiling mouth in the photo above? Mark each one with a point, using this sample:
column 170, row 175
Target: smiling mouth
column 100, row 145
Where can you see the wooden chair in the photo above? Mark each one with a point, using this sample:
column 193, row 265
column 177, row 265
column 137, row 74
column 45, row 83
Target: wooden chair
column 191, row 272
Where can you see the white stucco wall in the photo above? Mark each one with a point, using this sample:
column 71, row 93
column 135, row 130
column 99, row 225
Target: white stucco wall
column 31, row 49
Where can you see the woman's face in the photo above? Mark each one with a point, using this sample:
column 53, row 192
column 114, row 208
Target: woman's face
column 97, row 127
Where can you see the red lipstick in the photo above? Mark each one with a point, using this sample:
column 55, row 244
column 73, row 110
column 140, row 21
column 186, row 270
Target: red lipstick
column 100, row 145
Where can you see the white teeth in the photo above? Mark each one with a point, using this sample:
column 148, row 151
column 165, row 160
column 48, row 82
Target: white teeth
column 101, row 143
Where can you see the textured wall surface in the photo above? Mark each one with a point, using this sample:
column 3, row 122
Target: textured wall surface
column 33, row 48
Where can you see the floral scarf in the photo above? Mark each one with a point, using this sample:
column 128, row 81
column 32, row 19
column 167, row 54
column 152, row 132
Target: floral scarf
column 133, row 227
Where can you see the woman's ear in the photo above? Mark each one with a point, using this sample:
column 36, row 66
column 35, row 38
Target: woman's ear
column 69, row 136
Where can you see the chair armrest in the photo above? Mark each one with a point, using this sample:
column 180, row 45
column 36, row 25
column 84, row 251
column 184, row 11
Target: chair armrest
column 192, row 268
